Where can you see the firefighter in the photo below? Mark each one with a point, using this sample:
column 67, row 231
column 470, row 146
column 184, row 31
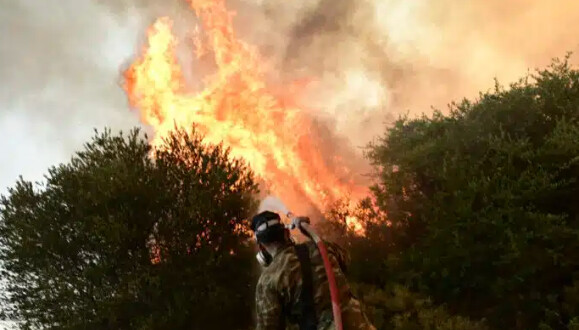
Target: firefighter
column 293, row 287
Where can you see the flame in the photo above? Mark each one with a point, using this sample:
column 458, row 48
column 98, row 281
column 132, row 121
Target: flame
column 237, row 107
column 354, row 224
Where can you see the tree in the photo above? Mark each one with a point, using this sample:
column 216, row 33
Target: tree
column 483, row 201
column 128, row 237
column 373, row 272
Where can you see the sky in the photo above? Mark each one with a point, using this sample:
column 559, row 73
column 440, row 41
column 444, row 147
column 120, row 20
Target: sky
column 59, row 68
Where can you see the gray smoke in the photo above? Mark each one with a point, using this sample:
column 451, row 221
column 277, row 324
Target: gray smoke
column 372, row 61
column 59, row 65
column 378, row 59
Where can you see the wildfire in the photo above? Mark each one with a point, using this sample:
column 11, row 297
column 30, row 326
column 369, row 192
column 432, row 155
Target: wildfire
column 236, row 107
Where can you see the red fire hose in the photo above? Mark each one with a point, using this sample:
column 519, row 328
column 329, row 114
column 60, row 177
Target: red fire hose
column 336, row 308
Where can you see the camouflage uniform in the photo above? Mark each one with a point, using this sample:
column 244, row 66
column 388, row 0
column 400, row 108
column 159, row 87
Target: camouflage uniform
column 279, row 288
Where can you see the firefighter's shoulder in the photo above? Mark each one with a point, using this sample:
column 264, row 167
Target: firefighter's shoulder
column 283, row 270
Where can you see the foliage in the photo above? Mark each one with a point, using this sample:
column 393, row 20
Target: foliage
column 374, row 267
column 373, row 254
column 399, row 309
column 482, row 203
column 116, row 239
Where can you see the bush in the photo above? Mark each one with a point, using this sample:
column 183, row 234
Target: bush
column 116, row 239
column 399, row 309
column 483, row 202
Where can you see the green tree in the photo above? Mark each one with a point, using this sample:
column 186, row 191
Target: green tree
column 127, row 237
column 374, row 277
column 483, row 202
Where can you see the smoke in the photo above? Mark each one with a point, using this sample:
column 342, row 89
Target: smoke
column 370, row 61
column 273, row 204
column 59, row 66
column 376, row 60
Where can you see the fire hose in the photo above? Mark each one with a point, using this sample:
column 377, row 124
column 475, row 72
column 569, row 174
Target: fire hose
column 305, row 227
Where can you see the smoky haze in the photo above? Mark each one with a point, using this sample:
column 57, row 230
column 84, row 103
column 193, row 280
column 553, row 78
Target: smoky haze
column 58, row 71
column 370, row 61
column 378, row 59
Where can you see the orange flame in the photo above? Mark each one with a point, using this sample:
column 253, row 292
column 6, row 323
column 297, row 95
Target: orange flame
column 236, row 107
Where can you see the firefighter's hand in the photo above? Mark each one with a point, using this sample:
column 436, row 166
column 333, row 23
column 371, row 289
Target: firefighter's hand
column 298, row 221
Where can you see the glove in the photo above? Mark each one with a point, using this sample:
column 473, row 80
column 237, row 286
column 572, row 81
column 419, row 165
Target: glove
column 297, row 222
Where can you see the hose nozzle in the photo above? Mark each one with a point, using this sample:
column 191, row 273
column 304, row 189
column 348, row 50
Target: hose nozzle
column 299, row 222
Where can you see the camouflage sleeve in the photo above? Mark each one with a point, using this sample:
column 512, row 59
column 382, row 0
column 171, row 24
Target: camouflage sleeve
column 342, row 255
column 268, row 306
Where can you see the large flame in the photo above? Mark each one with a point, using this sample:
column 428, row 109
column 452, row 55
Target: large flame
column 237, row 107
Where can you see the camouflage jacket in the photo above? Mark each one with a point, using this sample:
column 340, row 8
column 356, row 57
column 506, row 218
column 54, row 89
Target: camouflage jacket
column 279, row 288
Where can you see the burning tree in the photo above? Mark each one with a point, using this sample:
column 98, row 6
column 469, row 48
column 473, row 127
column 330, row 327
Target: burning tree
column 82, row 251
